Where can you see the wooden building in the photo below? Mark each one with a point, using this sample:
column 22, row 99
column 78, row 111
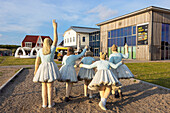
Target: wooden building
column 146, row 31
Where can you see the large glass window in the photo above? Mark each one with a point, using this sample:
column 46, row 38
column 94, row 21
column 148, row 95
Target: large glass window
column 122, row 36
column 94, row 42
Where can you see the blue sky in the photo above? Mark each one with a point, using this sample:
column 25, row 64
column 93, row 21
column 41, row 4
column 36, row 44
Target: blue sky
column 34, row 17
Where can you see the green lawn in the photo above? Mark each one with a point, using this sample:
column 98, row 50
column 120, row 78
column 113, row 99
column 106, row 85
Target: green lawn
column 10, row 60
column 157, row 73
column 2, row 58
column 153, row 72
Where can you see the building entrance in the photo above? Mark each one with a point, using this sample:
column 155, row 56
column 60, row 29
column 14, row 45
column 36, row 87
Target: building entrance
column 96, row 52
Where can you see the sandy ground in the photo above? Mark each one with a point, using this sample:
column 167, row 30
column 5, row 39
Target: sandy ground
column 7, row 73
column 23, row 96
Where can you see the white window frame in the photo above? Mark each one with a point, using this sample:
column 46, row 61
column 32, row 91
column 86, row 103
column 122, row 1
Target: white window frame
column 97, row 37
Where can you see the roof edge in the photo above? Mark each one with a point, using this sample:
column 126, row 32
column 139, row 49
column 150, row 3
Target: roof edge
column 153, row 8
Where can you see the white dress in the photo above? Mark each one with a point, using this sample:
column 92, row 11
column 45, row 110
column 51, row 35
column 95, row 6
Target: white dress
column 103, row 75
column 122, row 71
column 48, row 70
column 68, row 72
column 86, row 74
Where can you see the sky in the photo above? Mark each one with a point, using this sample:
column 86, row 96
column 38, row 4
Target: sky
column 19, row 18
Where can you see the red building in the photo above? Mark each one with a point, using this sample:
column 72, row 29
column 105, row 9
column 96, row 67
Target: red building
column 34, row 41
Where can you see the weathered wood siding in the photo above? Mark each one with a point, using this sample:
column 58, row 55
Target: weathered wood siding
column 152, row 51
column 129, row 21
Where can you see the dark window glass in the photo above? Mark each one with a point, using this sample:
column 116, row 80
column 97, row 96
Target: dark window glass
column 162, row 47
column 98, row 43
column 134, row 29
column 109, row 34
column 129, row 41
column 163, row 32
column 118, row 41
column 115, row 41
column 111, row 42
column 133, row 40
column 112, row 34
column 94, row 37
column 93, row 44
column 83, row 39
column 118, row 32
column 121, row 31
column 121, row 41
column 167, row 33
column 125, row 31
column 129, row 30
column 108, row 42
column 90, row 38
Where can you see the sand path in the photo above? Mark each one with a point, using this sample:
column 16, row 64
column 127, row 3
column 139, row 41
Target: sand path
column 22, row 95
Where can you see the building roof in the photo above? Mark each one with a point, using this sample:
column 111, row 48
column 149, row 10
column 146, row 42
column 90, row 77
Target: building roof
column 34, row 38
column 83, row 29
column 61, row 43
column 151, row 8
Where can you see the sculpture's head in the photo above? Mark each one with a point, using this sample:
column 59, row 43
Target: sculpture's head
column 114, row 47
column 103, row 55
column 70, row 51
column 47, row 46
column 89, row 53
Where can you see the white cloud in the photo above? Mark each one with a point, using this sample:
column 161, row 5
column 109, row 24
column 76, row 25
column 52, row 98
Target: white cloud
column 24, row 16
column 0, row 35
column 103, row 12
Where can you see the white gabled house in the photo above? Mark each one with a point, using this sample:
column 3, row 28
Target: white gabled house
column 78, row 37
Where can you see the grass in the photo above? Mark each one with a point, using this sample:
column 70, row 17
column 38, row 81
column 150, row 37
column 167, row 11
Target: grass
column 2, row 58
column 155, row 72
column 1, row 73
column 10, row 60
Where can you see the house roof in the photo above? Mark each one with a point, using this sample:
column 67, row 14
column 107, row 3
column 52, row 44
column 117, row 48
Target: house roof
column 83, row 29
column 34, row 38
column 151, row 8
column 61, row 43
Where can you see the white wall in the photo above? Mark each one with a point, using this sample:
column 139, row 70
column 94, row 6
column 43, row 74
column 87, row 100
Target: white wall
column 70, row 34
column 86, row 39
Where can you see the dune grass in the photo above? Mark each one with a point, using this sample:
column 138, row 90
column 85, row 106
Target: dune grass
column 153, row 72
column 10, row 60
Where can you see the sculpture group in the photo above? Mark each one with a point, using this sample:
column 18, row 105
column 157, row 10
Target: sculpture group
column 105, row 80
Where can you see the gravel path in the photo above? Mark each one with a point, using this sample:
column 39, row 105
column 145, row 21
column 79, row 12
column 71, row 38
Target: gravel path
column 22, row 95
column 7, row 73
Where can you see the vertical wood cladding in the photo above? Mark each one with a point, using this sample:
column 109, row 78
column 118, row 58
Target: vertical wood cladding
column 152, row 51
column 129, row 21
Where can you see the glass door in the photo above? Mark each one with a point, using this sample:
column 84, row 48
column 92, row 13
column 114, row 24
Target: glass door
column 165, row 42
column 96, row 52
